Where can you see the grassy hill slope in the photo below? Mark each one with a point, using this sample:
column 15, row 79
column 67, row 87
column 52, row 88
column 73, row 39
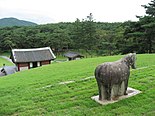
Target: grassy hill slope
column 4, row 61
column 9, row 22
column 38, row 92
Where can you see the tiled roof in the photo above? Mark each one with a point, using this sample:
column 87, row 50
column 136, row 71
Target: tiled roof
column 73, row 55
column 32, row 55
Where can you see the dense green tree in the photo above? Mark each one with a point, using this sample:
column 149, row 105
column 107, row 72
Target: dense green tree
column 89, row 39
column 150, row 8
column 133, row 38
column 150, row 25
column 141, row 34
column 84, row 34
column 77, row 34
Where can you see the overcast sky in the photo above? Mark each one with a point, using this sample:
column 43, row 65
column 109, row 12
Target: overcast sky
column 53, row 11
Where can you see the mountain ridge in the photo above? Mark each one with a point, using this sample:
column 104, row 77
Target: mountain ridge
column 11, row 21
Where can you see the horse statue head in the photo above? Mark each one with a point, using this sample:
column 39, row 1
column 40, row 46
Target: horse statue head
column 130, row 60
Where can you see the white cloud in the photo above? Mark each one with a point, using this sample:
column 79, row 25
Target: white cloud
column 50, row 11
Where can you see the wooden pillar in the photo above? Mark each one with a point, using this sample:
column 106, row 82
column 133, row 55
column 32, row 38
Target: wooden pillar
column 28, row 65
column 18, row 65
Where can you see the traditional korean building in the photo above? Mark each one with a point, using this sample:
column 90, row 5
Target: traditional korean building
column 31, row 58
column 73, row 56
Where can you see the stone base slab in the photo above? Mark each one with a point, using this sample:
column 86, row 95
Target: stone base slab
column 130, row 91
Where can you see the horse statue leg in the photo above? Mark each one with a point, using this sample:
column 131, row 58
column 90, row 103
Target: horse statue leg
column 103, row 93
column 99, row 89
column 126, row 86
column 108, row 88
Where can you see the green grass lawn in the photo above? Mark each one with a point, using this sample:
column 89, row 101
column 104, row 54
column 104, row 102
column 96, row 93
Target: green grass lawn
column 4, row 61
column 37, row 92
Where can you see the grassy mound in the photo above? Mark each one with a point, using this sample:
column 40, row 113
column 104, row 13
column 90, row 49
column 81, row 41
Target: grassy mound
column 38, row 92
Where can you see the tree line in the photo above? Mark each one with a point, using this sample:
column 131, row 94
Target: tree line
column 82, row 34
column 86, row 34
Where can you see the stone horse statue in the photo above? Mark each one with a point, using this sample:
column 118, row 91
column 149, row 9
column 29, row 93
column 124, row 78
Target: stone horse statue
column 112, row 77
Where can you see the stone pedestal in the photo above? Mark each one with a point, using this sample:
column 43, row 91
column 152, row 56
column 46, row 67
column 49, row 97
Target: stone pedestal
column 130, row 91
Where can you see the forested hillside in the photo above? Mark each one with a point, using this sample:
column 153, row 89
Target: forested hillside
column 9, row 22
column 87, row 35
